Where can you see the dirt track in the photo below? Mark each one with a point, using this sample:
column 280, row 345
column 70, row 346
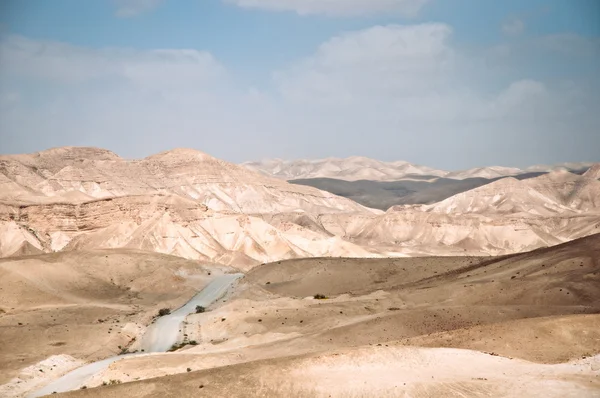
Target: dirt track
column 542, row 307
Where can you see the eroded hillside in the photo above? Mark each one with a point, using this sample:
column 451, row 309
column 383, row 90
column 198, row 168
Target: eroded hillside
column 189, row 204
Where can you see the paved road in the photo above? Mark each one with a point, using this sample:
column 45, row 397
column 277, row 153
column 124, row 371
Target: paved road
column 165, row 332
column 159, row 337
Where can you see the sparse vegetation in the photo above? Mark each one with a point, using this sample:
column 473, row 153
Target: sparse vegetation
column 200, row 309
column 176, row 346
column 164, row 311
column 320, row 297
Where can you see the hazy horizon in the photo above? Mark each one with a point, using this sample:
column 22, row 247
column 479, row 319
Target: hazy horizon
column 475, row 83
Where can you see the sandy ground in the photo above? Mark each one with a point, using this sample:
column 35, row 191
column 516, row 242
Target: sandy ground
column 83, row 306
column 375, row 372
column 161, row 336
column 523, row 325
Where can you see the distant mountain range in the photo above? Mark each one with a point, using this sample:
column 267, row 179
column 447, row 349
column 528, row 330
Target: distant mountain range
column 360, row 168
column 381, row 185
column 186, row 203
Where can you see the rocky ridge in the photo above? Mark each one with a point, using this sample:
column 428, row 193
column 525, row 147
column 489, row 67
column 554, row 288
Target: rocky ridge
column 186, row 203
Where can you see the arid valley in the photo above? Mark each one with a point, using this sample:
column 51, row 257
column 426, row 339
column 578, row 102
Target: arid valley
column 491, row 289
column 300, row 198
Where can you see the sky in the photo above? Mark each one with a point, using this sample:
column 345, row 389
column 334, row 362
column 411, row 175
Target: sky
column 447, row 84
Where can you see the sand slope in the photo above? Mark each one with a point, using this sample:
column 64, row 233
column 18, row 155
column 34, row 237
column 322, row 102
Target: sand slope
column 87, row 304
column 392, row 327
column 375, row 372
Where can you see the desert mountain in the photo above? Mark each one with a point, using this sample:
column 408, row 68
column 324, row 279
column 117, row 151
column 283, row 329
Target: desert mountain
column 180, row 202
column 484, row 172
column 553, row 193
column 349, row 169
column 593, row 172
column 357, row 168
column 506, row 216
column 382, row 185
column 575, row 167
column 76, row 174
column 189, row 204
column 414, row 190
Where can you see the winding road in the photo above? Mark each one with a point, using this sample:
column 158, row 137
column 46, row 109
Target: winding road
column 159, row 337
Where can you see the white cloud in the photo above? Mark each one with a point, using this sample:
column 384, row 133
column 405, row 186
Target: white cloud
column 413, row 71
column 336, row 7
column 139, row 100
column 371, row 63
column 513, row 27
column 411, row 86
column 68, row 64
column 392, row 92
column 132, row 8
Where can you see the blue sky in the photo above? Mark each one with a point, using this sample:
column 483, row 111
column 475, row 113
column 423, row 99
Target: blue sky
column 450, row 84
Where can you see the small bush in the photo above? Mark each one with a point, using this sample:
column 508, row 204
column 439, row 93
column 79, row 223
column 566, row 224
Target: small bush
column 189, row 369
column 176, row 346
column 164, row 311
column 320, row 297
column 200, row 309
column 112, row 382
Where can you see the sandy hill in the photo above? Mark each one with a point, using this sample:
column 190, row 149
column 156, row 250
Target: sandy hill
column 192, row 174
column 552, row 193
column 506, row 216
column 519, row 325
column 485, row 172
column 568, row 166
column 593, row 172
column 180, row 202
column 165, row 224
column 414, row 190
column 571, row 266
column 186, row 203
column 357, row 168
column 87, row 303
column 350, row 169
